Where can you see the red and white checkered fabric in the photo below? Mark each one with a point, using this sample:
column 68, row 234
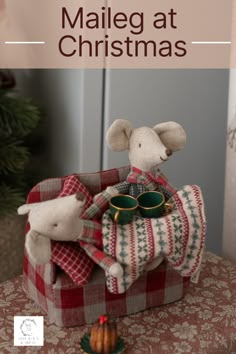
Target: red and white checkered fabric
column 68, row 304
column 69, row 256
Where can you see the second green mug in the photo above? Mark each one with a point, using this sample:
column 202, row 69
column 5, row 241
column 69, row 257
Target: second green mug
column 152, row 204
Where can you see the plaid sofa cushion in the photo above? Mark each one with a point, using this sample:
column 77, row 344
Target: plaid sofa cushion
column 69, row 256
column 70, row 305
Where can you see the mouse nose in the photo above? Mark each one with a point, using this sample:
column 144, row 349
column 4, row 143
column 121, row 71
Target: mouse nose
column 168, row 152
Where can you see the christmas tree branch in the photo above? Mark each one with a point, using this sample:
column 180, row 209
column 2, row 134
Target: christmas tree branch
column 10, row 200
column 18, row 116
column 13, row 158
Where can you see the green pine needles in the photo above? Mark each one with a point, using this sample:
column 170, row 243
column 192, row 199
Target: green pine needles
column 18, row 118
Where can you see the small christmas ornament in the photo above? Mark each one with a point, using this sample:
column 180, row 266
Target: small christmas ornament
column 103, row 338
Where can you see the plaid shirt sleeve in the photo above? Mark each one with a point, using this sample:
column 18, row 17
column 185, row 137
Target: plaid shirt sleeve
column 99, row 206
column 98, row 256
column 91, row 233
column 122, row 187
column 91, row 242
column 101, row 203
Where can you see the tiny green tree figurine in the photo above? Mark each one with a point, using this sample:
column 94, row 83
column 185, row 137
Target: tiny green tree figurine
column 18, row 118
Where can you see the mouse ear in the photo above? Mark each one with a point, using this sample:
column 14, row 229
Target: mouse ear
column 80, row 196
column 24, row 209
column 118, row 135
column 172, row 135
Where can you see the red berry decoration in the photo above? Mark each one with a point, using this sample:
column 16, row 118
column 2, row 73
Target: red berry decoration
column 103, row 319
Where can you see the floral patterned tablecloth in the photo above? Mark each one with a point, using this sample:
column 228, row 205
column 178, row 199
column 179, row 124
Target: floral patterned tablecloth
column 204, row 322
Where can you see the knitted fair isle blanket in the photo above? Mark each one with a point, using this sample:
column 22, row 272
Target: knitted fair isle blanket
column 179, row 236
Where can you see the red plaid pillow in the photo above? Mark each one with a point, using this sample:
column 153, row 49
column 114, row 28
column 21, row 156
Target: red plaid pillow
column 69, row 256
column 71, row 186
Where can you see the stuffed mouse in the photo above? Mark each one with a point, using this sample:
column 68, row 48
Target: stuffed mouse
column 147, row 148
column 60, row 220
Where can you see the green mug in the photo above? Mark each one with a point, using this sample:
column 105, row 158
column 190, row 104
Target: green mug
column 123, row 208
column 152, row 204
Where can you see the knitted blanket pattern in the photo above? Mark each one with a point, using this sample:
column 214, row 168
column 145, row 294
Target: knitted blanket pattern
column 179, row 236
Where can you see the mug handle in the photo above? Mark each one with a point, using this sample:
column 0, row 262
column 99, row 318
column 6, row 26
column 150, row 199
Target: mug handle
column 116, row 216
column 168, row 208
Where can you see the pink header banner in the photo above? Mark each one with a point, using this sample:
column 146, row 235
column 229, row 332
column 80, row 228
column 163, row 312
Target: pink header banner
column 117, row 34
